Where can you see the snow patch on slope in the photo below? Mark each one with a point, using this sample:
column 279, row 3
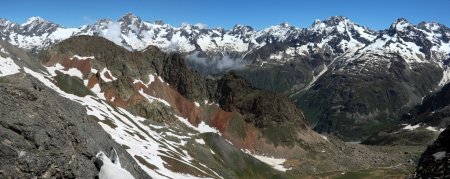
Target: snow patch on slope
column 8, row 67
column 439, row 155
column 151, row 98
column 276, row 163
column 104, row 73
column 110, row 170
column 71, row 71
column 201, row 128
column 410, row 127
column 82, row 57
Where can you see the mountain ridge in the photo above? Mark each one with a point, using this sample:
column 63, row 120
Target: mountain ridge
column 130, row 19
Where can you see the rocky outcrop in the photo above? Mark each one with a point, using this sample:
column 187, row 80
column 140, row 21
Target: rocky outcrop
column 434, row 110
column 435, row 161
column 279, row 119
column 45, row 135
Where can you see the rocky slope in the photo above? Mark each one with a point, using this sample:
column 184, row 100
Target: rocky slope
column 433, row 111
column 421, row 125
column 434, row 162
column 160, row 144
column 43, row 134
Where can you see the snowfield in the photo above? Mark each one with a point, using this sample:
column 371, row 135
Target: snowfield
column 8, row 67
column 276, row 163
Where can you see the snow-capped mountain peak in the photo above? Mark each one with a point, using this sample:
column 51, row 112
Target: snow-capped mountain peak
column 34, row 20
column 401, row 25
column 342, row 25
column 37, row 26
column 335, row 20
column 329, row 23
column 130, row 19
column 5, row 22
column 241, row 28
column 284, row 24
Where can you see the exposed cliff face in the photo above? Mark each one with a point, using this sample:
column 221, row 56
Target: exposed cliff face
column 433, row 111
column 279, row 119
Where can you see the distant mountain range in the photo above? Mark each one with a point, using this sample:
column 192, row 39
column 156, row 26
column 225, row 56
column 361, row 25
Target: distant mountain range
column 131, row 32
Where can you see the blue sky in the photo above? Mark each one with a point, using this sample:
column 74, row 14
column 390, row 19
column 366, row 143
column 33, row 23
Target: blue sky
column 376, row 14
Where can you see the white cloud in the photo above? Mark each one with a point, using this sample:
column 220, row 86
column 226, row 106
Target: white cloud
column 216, row 65
column 201, row 25
column 113, row 33
column 184, row 24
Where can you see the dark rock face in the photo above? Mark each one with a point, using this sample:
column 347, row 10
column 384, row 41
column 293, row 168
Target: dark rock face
column 282, row 78
column 434, row 110
column 275, row 114
column 45, row 135
column 397, row 136
column 435, row 161
column 269, row 109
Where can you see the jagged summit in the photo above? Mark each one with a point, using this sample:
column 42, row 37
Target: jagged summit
column 331, row 21
column 401, row 25
column 4, row 22
column 130, row 18
column 129, row 15
column 432, row 26
column 336, row 19
column 243, row 27
column 284, row 24
column 34, row 20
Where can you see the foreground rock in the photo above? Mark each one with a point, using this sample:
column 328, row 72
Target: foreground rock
column 435, row 161
column 45, row 135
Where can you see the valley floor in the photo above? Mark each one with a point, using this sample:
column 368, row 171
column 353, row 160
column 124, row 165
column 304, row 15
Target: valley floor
column 347, row 160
